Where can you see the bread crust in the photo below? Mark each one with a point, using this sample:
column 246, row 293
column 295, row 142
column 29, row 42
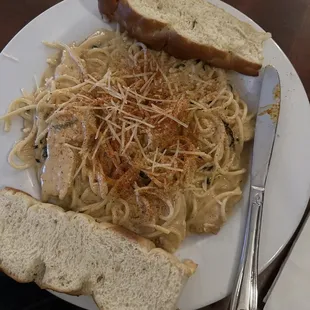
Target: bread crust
column 187, row 267
column 107, row 7
column 159, row 36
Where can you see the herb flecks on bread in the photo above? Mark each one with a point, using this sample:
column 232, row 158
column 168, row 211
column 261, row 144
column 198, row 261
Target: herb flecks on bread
column 192, row 29
column 71, row 253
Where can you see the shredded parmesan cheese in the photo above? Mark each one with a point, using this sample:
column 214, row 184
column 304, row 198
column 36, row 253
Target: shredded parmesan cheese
column 139, row 121
column 157, row 141
column 36, row 82
column 159, row 110
column 10, row 57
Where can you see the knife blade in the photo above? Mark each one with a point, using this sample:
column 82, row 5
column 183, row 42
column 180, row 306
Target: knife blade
column 266, row 126
column 245, row 292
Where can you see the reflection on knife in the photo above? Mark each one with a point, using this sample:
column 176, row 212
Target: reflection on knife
column 245, row 291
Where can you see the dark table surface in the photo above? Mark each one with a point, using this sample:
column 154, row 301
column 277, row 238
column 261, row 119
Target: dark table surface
column 289, row 23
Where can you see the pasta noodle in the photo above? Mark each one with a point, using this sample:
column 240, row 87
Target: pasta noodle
column 135, row 137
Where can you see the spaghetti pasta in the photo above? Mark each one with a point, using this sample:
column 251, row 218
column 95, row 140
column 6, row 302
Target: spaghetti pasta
column 135, row 137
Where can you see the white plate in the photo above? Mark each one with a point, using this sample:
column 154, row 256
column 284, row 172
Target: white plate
column 288, row 186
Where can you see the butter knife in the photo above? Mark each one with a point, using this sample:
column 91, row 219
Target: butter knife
column 245, row 293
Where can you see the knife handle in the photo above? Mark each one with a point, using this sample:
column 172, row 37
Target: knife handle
column 245, row 295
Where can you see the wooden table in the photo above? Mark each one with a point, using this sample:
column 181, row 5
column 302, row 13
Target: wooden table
column 287, row 20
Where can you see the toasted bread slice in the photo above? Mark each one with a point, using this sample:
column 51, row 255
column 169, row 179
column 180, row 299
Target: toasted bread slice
column 191, row 29
column 71, row 253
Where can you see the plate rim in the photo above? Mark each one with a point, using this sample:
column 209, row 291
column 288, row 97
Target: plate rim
column 233, row 11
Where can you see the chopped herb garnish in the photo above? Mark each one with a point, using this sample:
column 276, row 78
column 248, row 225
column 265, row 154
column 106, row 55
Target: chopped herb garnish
column 64, row 125
column 145, row 179
column 44, row 152
column 208, row 168
column 143, row 175
column 178, row 66
column 230, row 134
